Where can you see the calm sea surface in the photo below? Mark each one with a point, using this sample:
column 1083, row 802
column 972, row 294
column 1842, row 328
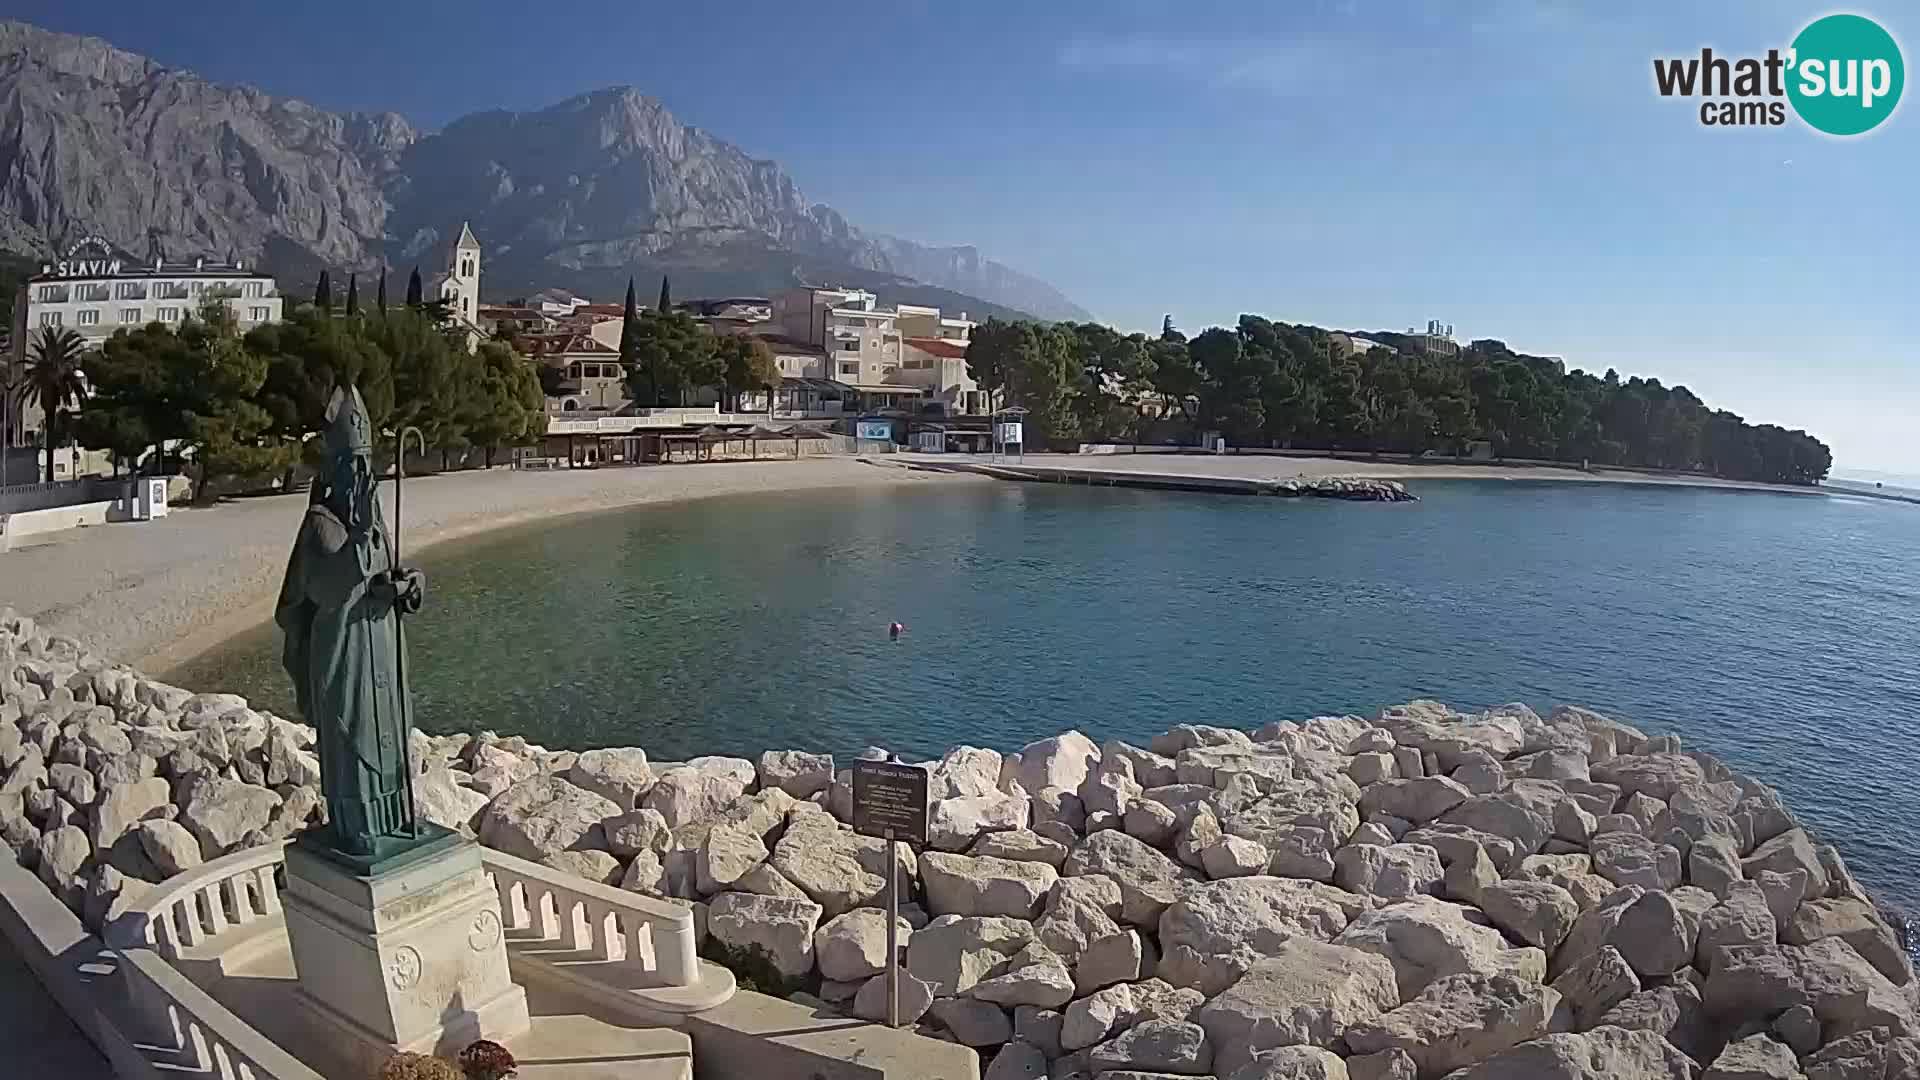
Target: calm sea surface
column 1781, row 632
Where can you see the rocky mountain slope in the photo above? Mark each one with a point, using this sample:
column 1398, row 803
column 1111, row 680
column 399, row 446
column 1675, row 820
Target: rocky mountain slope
column 95, row 139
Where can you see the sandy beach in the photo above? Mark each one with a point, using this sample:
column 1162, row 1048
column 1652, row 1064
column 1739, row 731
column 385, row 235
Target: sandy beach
column 160, row 593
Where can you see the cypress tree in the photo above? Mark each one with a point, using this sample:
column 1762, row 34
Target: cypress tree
column 630, row 334
column 353, row 294
column 323, row 292
column 380, row 295
column 666, row 299
column 414, row 298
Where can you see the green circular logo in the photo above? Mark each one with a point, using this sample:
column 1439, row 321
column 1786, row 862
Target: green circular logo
column 1845, row 74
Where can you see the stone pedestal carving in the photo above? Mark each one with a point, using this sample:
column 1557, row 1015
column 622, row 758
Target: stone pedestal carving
column 408, row 957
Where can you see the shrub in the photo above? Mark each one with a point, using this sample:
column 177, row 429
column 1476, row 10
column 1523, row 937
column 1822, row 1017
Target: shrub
column 406, row 1065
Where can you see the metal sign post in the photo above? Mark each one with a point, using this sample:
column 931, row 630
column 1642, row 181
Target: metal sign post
column 893, row 931
column 890, row 802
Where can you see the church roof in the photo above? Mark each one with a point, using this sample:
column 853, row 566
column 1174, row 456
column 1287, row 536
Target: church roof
column 467, row 239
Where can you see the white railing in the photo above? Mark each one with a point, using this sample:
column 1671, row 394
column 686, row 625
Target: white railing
column 183, row 1021
column 190, row 909
column 641, row 942
column 651, row 940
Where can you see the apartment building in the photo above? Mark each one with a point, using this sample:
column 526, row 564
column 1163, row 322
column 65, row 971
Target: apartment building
column 872, row 351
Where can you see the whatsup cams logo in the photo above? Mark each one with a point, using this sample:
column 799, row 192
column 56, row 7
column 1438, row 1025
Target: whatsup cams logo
column 1842, row 75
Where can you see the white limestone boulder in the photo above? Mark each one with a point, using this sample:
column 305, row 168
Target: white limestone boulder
column 1418, row 800
column 1629, row 859
column 1175, row 1047
column 1390, row 873
column 781, row 930
column 220, row 813
column 964, row 885
column 1458, row 1020
column 1535, row 912
column 796, row 772
column 441, row 799
column 543, row 816
column 1062, row 761
column 1079, row 911
column 1595, row 984
column 953, row 953
column 1605, row 1053
column 954, row 824
column 1149, row 881
column 621, row 776
column 727, row 855
column 1216, row 931
column 1020, row 845
column 1426, row 939
column 687, row 793
column 1308, row 993
column 1045, row 983
column 169, row 846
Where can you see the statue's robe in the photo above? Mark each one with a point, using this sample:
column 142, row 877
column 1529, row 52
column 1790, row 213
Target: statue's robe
column 344, row 652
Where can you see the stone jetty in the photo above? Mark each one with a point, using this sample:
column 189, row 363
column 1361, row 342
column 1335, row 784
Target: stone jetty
column 1418, row 895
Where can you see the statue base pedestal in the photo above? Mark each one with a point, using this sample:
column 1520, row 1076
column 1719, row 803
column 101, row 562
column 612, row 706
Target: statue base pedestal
column 409, row 955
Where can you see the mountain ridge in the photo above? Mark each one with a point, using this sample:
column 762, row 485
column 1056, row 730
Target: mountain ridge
column 95, row 139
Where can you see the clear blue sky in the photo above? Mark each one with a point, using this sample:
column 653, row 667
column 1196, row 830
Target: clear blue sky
column 1503, row 165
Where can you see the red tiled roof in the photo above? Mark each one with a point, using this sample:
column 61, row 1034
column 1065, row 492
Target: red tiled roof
column 952, row 350
column 615, row 310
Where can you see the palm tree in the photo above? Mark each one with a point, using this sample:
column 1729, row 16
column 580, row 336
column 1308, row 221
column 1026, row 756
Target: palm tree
column 53, row 378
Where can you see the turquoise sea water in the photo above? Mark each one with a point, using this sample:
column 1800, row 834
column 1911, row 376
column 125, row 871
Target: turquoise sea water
column 1777, row 631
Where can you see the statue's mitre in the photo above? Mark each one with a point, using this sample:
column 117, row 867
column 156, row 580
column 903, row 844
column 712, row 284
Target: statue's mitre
column 349, row 428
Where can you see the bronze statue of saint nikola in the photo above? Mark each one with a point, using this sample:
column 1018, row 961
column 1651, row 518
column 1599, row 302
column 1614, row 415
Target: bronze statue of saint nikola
column 340, row 608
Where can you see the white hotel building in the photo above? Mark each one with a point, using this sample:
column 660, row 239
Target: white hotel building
column 94, row 291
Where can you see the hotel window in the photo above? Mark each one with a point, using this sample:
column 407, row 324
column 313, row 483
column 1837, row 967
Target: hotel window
column 850, row 367
column 50, row 318
column 850, row 345
column 129, row 316
column 257, row 314
column 90, row 317
column 132, row 290
column 169, row 314
column 194, row 288
column 47, row 293
column 255, row 289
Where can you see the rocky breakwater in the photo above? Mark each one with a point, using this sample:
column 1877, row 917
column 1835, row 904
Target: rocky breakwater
column 1424, row 894
column 1350, row 488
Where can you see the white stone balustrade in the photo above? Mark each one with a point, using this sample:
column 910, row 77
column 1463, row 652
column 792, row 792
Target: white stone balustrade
column 189, row 910
column 185, row 1023
column 652, row 940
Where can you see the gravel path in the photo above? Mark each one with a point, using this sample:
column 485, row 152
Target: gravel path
column 156, row 594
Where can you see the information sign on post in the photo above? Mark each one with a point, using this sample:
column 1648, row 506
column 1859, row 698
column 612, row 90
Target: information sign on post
column 890, row 802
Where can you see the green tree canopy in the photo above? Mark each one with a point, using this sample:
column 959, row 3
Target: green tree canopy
column 746, row 365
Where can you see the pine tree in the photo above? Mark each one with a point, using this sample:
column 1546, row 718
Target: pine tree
column 666, row 298
column 353, row 294
column 323, row 292
column 380, row 296
column 414, row 293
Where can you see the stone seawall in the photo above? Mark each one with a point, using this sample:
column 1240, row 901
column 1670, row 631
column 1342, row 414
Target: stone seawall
column 1418, row 895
